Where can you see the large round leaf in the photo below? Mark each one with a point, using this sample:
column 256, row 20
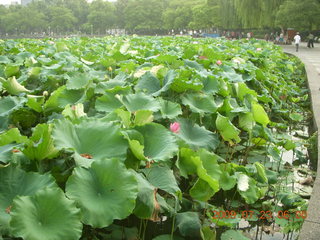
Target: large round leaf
column 189, row 224
column 147, row 206
column 169, row 109
column 200, row 103
column 8, row 104
column 104, row 192
column 140, row 101
column 46, row 215
column 16, row 182
column 107, row 103
column 159, row 144
column 62, row 97
column 227, row 130
column 196, row 136
column 152, row 85
column 8, row 141
column 92, row 137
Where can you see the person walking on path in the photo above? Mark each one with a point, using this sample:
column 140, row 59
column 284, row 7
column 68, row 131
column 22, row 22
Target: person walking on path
column 297, row 40
column 310, row 40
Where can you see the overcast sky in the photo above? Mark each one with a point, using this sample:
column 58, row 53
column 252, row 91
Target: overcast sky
column 6, row 1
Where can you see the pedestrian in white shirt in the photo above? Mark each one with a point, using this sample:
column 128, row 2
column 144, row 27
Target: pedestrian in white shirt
column 297, row 40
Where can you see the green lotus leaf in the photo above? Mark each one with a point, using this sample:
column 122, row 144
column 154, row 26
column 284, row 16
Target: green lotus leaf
column 203, row 163
column 242, row 90
column 93, row 138
column 189, row 224
column 135, row 140
column 227, row 130
column 207, row 233
column 8, row 141
column 12, row 135
column 169, row 109
column 16, row 182
column 61, row 46
column 201, row 191
column 233, row 235
column 11, row 70
column 142, row 117
column 25, row 118
column 140, row 101
column 6, row 152
column 200, row 103
column 247, row 187
column 62, row 97
column 12, row 86
column 296, row 117
column 125, row 117
column 159, row 143
column 147, row 82
column 224, row 88
column 246, row 121
column 41, row 145
column 4, row 60
column 231, row 76
column 152, row 85
column 35, row 103
column 194, row 64
column 261, row 172
column 74, row 113
column 46, row 215
column 182, row 84
column 77, row 80
column 106, row 191
column 211, row 85
column 8, row 104
column 196, row 136
column 162, row 177
column 147, row 206
column 289, row 145
column 272, row 176
column 107, row 103
column 227, row 182
column 259, row 114
column 231, row 105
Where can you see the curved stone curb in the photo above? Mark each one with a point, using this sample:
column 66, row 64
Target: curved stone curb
column 311, row 226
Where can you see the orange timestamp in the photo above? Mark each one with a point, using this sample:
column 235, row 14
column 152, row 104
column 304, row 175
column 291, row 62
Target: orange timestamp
column 248, row 214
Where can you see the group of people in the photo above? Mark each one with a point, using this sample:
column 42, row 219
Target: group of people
column 297, row 40
column 275, row 37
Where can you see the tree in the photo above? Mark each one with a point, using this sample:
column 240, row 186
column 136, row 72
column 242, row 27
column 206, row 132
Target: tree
column 102, row 16
column 61, row 18
column 299, row 14
column 144, row 15
column 120, row 6
column 80, row 9
column 3, row 13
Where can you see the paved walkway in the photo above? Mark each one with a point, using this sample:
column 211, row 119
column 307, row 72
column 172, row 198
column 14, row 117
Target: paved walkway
column 311, row 58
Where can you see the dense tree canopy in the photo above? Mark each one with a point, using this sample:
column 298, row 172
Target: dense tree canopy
column 157, row 16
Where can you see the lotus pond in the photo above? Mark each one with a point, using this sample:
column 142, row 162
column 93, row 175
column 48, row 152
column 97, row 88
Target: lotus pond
column 152, row 138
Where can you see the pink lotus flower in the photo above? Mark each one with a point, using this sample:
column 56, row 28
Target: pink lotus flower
column 219, row 62
column 175, row 127
column 259, row 49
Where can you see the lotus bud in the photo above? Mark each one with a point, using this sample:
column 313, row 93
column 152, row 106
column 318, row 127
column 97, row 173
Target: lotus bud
column 219, row 62
column 110, row 69
column 45, row 93
column 259, row 49
column 175, row 127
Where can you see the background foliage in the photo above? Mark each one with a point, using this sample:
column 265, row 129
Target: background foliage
column 157, row 16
